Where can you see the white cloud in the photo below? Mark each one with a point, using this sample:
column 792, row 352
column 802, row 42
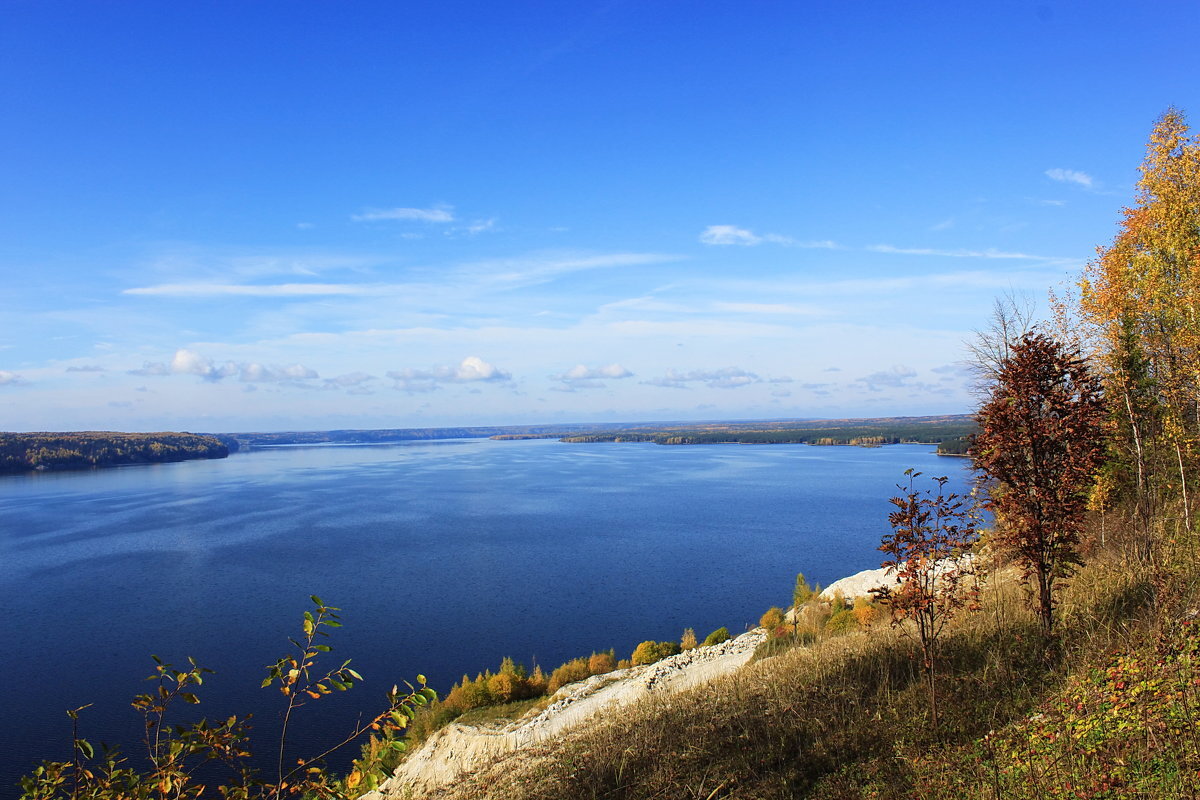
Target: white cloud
column 729, row 234
column 86, row 368
column 435, row 214
column 251, row 290
column 258, row 373
column 470, row 370
column 1070, row 176
column 724, row 378
column 189, row 362
column 10, row 378
column 581, row 372
column 584, row 377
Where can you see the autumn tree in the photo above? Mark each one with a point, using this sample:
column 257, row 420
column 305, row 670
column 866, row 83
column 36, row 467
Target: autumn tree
column 927, row 549
column 1039, row 446
column 1140, row 299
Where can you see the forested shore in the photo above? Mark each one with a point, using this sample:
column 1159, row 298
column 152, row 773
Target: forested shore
column 28, row 452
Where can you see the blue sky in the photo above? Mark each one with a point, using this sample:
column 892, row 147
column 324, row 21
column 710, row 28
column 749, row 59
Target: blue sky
column 303, row 215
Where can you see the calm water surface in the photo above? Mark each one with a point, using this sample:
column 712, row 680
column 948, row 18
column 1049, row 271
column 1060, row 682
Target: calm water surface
column 445, row 557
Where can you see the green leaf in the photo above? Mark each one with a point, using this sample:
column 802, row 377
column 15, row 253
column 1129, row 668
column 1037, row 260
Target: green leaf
column 357, row 677
column 322, row 648
column 421, row 679
column 188, row 697
column 85, row 747
column 399, row 745
column 332, row 623
column 316, row 599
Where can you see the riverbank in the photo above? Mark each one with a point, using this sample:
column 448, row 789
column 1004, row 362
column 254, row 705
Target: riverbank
column 458, row 749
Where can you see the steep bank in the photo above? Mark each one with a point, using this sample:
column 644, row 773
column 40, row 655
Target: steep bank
column 458, row 748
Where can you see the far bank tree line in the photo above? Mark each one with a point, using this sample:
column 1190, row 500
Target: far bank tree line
column 878, row 432
column 24, row 452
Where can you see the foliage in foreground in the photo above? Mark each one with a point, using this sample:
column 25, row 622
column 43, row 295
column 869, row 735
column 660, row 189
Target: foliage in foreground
column 211, row 759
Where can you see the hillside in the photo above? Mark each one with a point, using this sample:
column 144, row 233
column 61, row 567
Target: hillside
column 845, row 716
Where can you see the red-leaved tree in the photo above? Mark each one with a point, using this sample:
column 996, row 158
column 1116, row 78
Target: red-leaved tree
column 931, row 534
column 1040, row 443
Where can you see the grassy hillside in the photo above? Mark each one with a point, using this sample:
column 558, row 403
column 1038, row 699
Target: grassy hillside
column 1112, row 715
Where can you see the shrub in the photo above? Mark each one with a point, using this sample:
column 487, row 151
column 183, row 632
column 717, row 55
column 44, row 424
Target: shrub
column 841, row 621
column 716, row 637
column 174, row 752
column 574, row 670
column 772, row 618
column 645, row 653
column 865, row 612
column 650, row 651
column 601, row 663
column 538, row 682
column 689, row 639
column 506, row 687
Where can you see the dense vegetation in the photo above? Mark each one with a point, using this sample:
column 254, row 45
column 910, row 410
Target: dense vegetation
column 22, row 452
column 513, row 688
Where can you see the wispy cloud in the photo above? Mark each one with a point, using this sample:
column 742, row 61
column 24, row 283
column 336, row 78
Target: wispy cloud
column 1070, row 176
column 531, row 270
column 472, row 369
column 729, row 234
column 435, row 214
column 733, row 235
column 893, row 378
column 769, row 308
column 584, row 377
column 10, row 378
column 724, row 378
column 86, row 368
column 930, row 251
column 250, row 290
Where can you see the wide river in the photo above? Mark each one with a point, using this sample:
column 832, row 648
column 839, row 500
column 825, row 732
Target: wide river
column 444, row 556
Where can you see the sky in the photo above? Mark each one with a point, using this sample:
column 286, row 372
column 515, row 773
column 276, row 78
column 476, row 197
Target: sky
column 231, row 216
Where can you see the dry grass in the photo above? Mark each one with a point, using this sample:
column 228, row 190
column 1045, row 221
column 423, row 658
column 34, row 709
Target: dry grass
column 846, row 717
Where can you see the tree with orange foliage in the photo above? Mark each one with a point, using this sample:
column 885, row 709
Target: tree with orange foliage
column 1140, row 298
column 1040, row 443
column 931, row 534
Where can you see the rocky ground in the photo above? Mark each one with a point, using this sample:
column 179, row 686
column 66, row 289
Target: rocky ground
column 459, row 748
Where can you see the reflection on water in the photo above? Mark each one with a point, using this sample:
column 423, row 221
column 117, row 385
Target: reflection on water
column 445, row 556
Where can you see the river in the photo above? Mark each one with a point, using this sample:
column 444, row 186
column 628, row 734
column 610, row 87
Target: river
column 444, row 556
